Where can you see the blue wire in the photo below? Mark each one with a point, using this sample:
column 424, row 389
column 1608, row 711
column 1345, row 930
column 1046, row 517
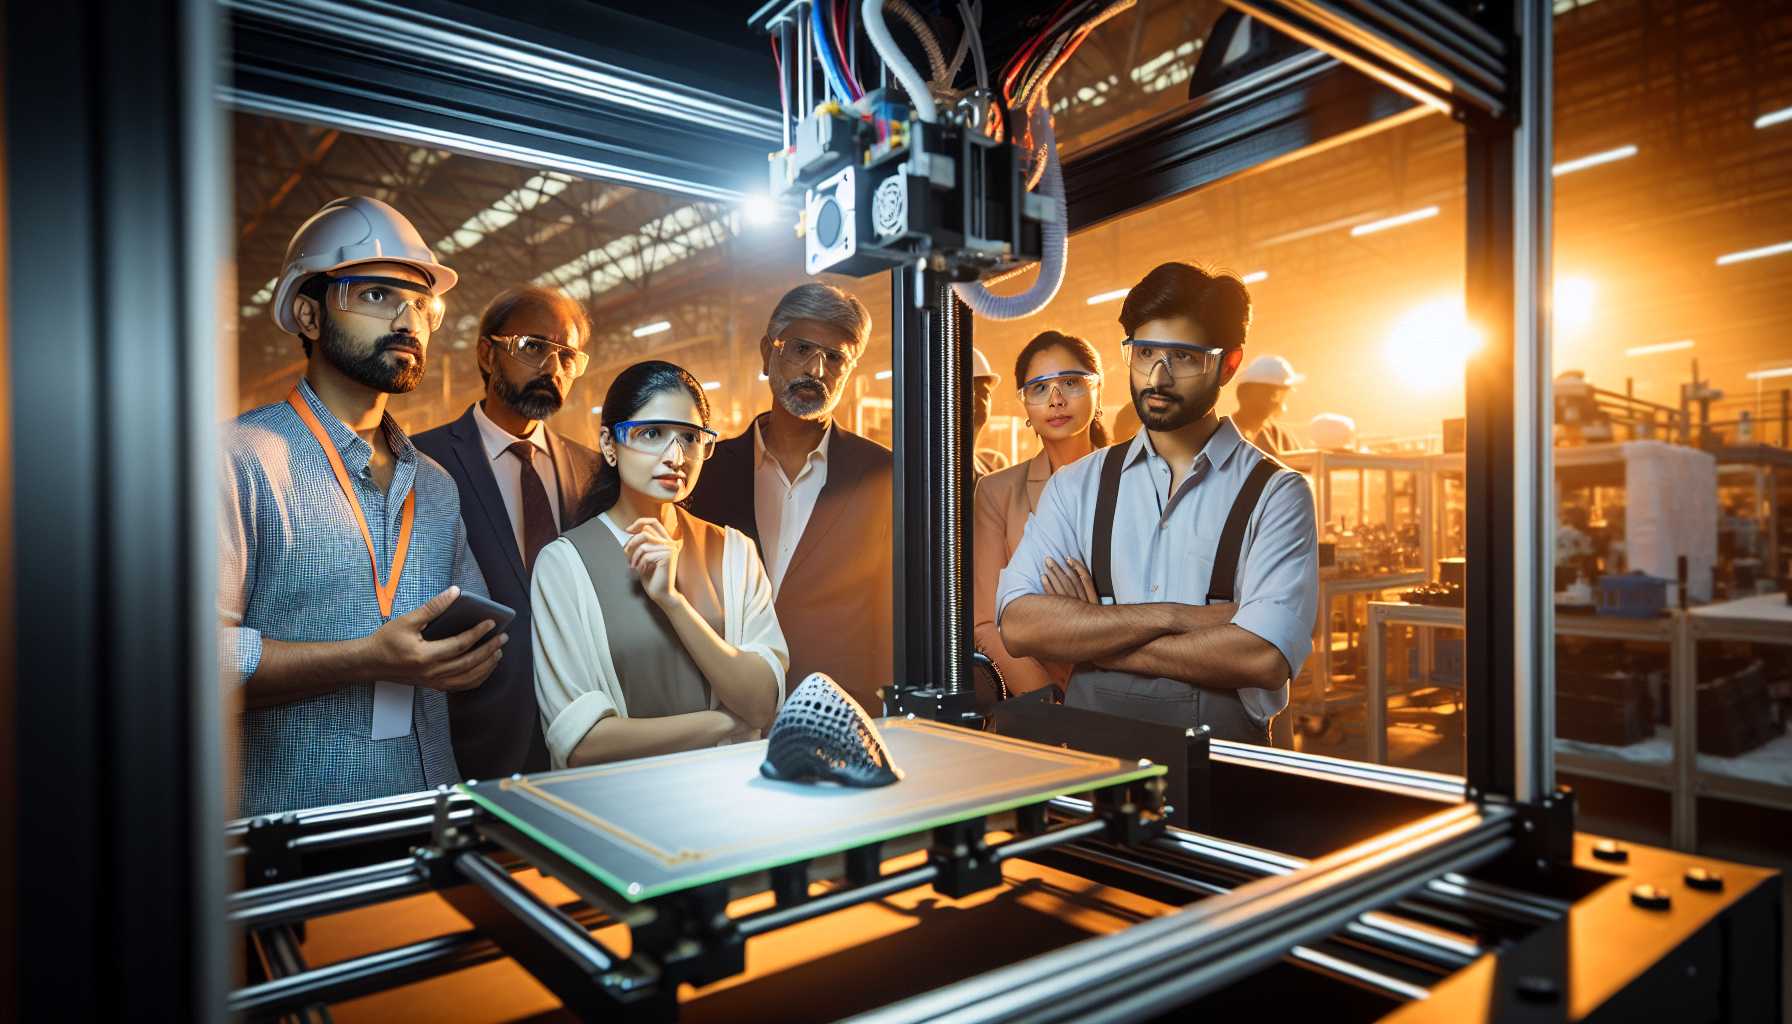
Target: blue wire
column 824, row 52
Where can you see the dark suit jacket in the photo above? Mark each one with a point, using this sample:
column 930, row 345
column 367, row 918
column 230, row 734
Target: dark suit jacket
column 496, row 728
column 834, row 603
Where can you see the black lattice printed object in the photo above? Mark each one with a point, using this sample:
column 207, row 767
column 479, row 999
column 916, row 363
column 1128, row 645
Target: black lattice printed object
column 821, row 734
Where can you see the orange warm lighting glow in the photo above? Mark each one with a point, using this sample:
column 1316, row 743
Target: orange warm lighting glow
column 1574, row 303
column 1428, row 348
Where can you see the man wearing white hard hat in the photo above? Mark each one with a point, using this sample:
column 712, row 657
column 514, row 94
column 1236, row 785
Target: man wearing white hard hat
column 1263, row 387
column 341, row 540
column 984, row 379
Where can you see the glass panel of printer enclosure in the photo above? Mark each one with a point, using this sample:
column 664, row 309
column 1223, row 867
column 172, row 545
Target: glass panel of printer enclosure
column 1373, row 319
column 1366, row 317
column 1673, row 393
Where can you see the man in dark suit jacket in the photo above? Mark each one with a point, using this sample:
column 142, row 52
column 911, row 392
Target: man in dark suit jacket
column 814, row 496
column 521, row 485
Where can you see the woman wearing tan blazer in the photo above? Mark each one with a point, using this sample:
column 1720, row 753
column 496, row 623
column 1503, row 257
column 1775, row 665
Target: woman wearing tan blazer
column 1060, row 388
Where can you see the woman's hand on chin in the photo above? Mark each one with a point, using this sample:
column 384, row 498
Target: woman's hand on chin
column 653, row 554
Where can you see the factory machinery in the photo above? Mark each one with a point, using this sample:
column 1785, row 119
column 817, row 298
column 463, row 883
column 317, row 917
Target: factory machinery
column 1242, row 877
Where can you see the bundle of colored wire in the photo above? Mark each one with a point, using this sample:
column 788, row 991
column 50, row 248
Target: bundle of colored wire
column 1034, row 84
column 831, row 65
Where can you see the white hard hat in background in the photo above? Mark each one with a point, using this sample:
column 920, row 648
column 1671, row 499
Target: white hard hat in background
column 353, row 229
column 1331, row 431
column 980, row 366
column 1272, row 370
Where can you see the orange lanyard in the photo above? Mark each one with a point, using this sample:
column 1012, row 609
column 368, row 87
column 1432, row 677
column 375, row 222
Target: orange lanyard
column 386, row 592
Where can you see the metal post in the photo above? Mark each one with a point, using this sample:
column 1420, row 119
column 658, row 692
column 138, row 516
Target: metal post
column 1509, row 648
column 930, row 342
column 116, row 186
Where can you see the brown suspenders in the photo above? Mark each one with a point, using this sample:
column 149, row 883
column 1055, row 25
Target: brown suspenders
column 1221, row 589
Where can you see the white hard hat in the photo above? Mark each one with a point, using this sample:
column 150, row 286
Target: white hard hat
column 980, row 366
column 353, row 229
column 1272, row 370
column 1332, row 431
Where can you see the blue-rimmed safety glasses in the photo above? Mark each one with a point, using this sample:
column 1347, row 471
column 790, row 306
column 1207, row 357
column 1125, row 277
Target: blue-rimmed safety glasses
column 1069, row 384
column 1180, row 358
column 385, row 298
column 653, row 437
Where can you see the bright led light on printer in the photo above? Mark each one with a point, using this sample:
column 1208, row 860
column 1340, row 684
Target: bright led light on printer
column 758, row 210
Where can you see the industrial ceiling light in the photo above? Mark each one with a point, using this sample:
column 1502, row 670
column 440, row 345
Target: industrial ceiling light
column 1780, row 116
column 1779, row 371
column 1666, row 346
column 884, row 374
column 1593, row 160
column 1254, row 276
column 1393, row 222
column 1754, row 254
column 1118, row 293
column 647, row 330
column 711, row 385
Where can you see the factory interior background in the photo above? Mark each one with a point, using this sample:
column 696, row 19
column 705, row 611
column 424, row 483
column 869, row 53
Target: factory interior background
column 1672, row 348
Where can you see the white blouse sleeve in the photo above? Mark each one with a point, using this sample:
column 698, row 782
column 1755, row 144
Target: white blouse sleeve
column 575, row 681
column 750, row 621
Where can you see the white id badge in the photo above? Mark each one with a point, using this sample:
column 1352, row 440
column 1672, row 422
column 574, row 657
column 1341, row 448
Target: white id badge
column 391, row 710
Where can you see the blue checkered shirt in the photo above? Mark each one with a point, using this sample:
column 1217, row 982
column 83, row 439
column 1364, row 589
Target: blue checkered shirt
column 295, row 569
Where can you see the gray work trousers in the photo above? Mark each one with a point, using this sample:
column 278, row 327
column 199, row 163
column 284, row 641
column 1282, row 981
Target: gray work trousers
column 1164, row 700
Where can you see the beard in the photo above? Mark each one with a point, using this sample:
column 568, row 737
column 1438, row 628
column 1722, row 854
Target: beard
column 536, row 400
column 806, row 398
column 1183, row 409
column 371, row 369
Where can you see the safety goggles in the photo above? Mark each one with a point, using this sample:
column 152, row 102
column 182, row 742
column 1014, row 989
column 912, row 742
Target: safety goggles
column 534, row 351
column 800, row 354
column 1180, row 359
column 1069, row 384
column 386, row 298
column 654, row 437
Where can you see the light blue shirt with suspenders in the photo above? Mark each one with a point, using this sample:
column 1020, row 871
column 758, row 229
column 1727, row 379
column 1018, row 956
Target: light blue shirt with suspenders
column 1166, row 547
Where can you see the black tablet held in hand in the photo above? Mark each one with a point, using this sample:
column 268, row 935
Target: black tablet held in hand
column 467, row 611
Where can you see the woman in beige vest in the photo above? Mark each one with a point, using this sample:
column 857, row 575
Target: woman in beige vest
column 1060, row 387
column 653, row 629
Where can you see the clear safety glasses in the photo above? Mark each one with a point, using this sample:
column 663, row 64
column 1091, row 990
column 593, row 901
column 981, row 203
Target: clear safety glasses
column 1181, row 359
column 385, row 298
column 799, row 354
column 653, row 437
column 534, row 351
column 1070, row 384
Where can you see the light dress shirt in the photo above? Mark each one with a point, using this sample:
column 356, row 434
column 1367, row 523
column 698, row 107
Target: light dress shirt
column 508, row 469
column 781, row 507
column 1163, row 543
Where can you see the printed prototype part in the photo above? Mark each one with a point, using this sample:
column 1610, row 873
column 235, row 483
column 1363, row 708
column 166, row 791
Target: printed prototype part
column 822, row 735
column 660, row 825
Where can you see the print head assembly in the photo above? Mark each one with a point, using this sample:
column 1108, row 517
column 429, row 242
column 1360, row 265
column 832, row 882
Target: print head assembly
column 822, row 735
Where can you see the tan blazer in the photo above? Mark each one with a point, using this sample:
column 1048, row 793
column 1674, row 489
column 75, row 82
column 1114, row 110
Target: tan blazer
column 1004, row 500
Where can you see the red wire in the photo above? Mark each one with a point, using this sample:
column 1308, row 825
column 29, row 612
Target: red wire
column 1020, row 58
column 783, row 98
column 852, row 79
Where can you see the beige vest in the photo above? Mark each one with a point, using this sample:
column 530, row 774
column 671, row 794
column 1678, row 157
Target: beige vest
column 657, row 674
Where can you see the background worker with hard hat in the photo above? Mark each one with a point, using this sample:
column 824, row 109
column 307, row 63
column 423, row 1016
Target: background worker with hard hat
column 343, row 697
column 1263, row 387
column 984, row 379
